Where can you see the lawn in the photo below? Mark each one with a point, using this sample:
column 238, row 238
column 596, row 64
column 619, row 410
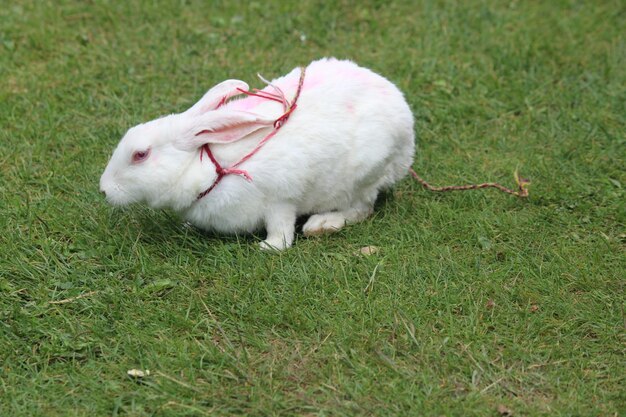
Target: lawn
column 477, row 303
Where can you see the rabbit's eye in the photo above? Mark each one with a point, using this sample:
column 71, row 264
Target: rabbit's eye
column 140, row 156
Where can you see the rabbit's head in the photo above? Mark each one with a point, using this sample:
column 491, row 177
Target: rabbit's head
column 158, row 162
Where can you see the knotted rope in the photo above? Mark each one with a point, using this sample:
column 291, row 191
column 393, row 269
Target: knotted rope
column 522, row 184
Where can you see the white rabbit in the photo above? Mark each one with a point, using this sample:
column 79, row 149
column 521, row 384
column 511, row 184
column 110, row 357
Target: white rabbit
column 349, row 136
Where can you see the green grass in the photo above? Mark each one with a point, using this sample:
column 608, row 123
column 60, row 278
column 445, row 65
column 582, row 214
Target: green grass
column 475, row 301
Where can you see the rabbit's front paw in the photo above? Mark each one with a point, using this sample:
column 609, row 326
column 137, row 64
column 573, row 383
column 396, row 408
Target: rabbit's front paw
column 280, row 222
column 276, row 245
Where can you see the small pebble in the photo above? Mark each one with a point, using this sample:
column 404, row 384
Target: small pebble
column 368, row 250
column 138, row 373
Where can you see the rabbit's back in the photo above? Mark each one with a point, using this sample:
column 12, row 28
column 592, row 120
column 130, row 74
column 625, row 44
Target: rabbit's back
column 350, row 136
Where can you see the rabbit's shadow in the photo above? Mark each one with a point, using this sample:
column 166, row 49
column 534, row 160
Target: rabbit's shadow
column 166, row 228
column 158, row 228
column 383, row 199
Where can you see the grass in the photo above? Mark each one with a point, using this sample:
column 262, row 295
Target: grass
column 477, row 303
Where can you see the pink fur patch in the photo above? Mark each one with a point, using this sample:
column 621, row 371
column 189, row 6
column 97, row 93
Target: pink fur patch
column 288, row 85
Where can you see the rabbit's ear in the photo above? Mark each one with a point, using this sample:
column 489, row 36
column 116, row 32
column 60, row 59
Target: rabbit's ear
column 222, row 126
column 217, row 96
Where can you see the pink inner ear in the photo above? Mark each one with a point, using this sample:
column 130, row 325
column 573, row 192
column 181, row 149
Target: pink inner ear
column 211, row 106
column 218, row 102
column 217, row 96
column 221, row 103
column 231, row 133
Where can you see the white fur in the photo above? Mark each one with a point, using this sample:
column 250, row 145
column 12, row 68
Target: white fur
column 350, row 136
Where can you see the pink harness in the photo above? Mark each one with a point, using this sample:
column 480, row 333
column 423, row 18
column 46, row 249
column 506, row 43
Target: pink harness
column 278, row 123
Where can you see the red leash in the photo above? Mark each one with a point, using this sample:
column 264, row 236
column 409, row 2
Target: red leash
column 278, row 123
